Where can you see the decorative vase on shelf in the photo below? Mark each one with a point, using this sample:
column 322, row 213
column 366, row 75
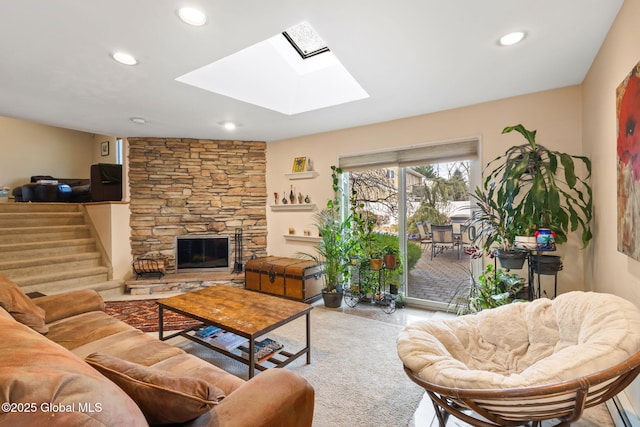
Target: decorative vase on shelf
column 292, row 197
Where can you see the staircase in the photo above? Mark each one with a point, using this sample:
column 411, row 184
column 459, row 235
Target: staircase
column 49, row 248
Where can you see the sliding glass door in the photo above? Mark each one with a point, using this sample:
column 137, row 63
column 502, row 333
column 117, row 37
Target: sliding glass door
column 421, row 206
column 437, row 213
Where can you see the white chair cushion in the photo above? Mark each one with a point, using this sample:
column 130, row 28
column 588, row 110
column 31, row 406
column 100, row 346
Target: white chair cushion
column 524, row 344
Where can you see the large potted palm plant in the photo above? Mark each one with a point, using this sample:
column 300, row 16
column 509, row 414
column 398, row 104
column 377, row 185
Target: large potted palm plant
column 530, row 187
column 543, row 187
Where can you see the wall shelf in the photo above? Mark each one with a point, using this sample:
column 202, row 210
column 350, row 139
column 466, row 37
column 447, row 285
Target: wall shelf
column 301, row 175
column 294, row 207
column 296, row 238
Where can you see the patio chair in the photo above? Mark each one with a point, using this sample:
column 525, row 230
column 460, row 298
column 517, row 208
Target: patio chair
column 425, row 234
column 525, row 362
column 442, row 238
column 467, row 236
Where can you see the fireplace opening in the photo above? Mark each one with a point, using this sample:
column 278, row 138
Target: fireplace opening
column 203, row 253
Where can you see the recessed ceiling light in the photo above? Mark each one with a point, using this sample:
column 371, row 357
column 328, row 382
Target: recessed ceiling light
column 192, row 16
column 138, row 120
column 125, row 58
column 228, row 125
column 511, row 38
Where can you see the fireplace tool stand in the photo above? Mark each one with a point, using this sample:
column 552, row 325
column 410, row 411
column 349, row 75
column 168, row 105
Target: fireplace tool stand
column 237, row 265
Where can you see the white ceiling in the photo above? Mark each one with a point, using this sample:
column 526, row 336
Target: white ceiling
column 411, row 56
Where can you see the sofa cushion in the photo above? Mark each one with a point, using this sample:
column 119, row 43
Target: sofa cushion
column 20, row 306
column 192, row 366
column 162, row 397
column 60, row 306
column 132, row 345
column 55, row 383
column 74, row 331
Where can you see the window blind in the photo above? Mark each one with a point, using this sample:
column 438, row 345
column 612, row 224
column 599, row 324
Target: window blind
column 442, row 152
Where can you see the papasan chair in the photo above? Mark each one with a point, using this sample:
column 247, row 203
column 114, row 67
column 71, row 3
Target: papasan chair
column 525, row 362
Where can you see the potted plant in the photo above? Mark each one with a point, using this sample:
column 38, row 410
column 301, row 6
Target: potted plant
column 336, row 245
column 539, row 186
column 376, row 262
column 390, row 257
column 530, row 187
column 491, row 289
column 496, row 227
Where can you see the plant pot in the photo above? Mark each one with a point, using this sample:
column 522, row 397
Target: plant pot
column 511, row 259
column 527, row 243
column 376, row 264
column 390, row 261
column 545, row 264
column 332, row 299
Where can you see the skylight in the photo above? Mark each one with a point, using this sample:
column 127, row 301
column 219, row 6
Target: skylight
column 274, row 75
column 305, row 40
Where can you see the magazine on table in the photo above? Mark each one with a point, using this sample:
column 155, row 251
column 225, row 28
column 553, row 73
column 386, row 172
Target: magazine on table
column 208, row 331
column 263, row 350
column 225, row 340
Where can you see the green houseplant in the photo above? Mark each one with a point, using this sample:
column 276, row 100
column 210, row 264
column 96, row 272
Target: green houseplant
column 541, row 188
column 493, row 288
column 496, row 227
column 530, row 187
column 336, row 245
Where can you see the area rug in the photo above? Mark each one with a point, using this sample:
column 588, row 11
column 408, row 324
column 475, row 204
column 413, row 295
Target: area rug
column 143, row 315
column 355, row 371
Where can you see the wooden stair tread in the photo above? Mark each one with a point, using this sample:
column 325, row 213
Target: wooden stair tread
column 61, row 275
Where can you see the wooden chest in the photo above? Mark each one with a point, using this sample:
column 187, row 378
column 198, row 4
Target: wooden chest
column 297, row 279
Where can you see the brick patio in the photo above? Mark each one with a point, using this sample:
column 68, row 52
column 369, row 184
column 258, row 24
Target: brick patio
column 441, row 278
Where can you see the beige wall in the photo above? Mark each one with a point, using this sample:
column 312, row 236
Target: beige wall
column 555, row 114
column 28, row 149
column 608, row 270
column 111, row 222
column 97, row 147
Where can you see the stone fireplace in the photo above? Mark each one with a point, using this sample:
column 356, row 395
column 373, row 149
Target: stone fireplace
column 182, row 187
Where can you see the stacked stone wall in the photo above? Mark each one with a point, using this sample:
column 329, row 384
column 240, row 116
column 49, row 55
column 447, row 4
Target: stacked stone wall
column 195, row 186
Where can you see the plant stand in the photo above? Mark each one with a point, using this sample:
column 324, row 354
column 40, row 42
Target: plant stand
column 538, row 267
column 353, row 295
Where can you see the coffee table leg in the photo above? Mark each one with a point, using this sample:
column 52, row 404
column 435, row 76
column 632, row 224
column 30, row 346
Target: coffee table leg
column 160, row 323
column 252, row 358
column 308, row 338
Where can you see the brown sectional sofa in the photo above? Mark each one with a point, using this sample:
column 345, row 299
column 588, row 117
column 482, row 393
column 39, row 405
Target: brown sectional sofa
column 51, row 345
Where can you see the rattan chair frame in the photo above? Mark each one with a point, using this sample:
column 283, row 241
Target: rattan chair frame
column 529, row 406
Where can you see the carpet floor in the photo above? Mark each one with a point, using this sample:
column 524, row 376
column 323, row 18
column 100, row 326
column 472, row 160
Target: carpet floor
column 355, row 370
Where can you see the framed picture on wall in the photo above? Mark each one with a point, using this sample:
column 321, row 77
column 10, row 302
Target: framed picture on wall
column 299, row 164
column 628, row 163
column 104, row 148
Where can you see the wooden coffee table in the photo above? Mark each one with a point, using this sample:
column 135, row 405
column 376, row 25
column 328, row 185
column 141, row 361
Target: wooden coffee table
column 245, row 313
